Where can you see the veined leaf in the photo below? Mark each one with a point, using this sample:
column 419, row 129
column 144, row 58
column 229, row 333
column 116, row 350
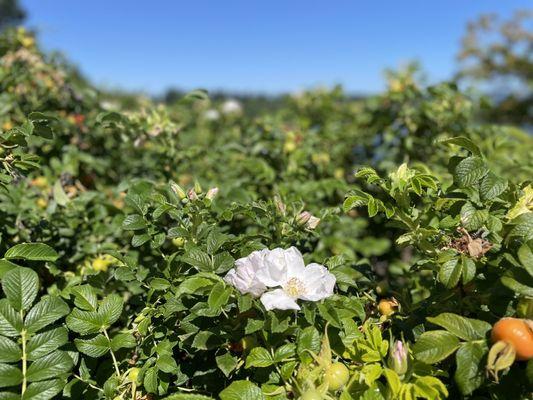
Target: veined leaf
column 21, row 286
column 434, row 346
column 46, row 342
column 32, row 252
column 49, row 366
column 464, row 328
column 48, row 310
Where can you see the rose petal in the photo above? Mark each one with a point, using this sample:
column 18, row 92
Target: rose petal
column 277, row 299
column 318, row 281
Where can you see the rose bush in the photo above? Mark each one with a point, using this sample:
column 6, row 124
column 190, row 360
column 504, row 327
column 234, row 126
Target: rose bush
column 335, row 249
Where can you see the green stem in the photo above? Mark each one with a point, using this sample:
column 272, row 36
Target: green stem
column 115, row 363
column 24, row 361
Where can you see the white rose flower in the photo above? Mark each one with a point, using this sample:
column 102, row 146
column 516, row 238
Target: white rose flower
column 243, row 276
column 286, row 269
column 231, row 106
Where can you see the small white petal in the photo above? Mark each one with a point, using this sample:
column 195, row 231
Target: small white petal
column 319, row 283
column 277, row 299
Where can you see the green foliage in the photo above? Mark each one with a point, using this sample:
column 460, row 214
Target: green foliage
column 121, row 219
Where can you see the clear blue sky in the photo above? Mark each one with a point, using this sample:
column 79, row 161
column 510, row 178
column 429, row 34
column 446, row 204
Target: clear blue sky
column 248, row 45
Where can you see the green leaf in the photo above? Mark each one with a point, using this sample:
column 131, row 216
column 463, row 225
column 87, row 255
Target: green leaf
column 469, row 171
column 214, row 241
column 48, row 310
column 85, row 297
column 133, row 222
column 219, row 296
column 525, row 255
column 464, row 142
column 198, row 259
column 242, row 390
column 123, row 341
column 110, row 309
column 464, row 328
column 60, row 196
column 46, row 342
column 226, row 363
column 9, row 375
column 450, row 272
column 45, row 390
column 166, row 363
column 6, row 266
column 150, row 380
column 434, row 346
column 32, row 252
column 519, row 281
column 21, row 286
column 84, row 322
column 49, row 366
column 139, row 240
column 308, row 341
column 492, row 186
column 470, row 373
column 284, row 352
column 9, row 350
column 188, row 396
column 10, row 321
column 94, row 347
column 259, row 357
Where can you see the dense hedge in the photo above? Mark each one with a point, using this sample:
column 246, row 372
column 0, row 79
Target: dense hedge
column 122, row 221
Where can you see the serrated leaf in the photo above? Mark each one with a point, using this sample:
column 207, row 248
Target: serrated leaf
column 492, row 186
column 49, row 366
column 462, row 327
column 219, row 295
column 45, row 390
column 242, row 390
column 32, row 252
column 9, row 350
column 150, row 380
column 259, row 357
column 450, row 272
column 470, row 373
column 469, row 171
column 10, row 321
column 20, row 286
column 123, row 340
column 110, row 309
column 166, row 363
column 434, row 346
column 226, row 363
column 94, row 347
column 9, row 375
column 84, row 322
column 133, row 222
column 465, row 143
column 46, row 342
column 85, row 297
column 48, row 310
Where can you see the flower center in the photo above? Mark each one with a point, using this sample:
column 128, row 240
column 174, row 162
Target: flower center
column 294, row 287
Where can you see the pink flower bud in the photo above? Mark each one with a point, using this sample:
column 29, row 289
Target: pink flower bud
column 191, row 194
column 211, row 193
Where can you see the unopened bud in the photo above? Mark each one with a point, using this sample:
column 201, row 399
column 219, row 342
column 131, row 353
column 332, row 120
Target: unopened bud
column 211, row 193
column 197, row 187
column 313, row 222
column 399, row 358
column 303, row 218
column 178, row 190
column 191, row 194
column 282, row 208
